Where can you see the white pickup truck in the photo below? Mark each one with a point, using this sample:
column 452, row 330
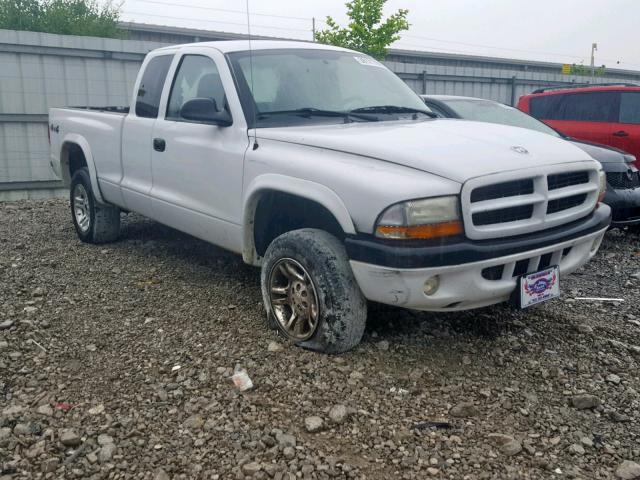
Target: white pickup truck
column 321, row 166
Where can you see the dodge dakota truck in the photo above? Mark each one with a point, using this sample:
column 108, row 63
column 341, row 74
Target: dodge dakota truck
column 323, row 168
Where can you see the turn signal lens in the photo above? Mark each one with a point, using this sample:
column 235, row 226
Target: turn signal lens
column 436, row 230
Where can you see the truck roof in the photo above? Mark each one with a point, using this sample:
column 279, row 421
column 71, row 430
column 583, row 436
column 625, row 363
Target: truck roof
column 227, row 46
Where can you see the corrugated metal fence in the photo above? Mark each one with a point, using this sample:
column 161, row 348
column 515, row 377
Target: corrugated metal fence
column 39, row 71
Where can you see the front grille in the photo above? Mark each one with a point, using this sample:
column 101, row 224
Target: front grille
column 562, row 180
column 565, row 203
column 511, row 214
column 526, row 265
column 519, row 202
column 502, row 190
column 493, row 273
column 520, row 267
column 545, row 261
column 623, row 180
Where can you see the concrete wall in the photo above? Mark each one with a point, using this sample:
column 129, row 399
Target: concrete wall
column 39, row 71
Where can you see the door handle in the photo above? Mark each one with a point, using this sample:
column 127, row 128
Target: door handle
column 620, row 133
column 159, row 145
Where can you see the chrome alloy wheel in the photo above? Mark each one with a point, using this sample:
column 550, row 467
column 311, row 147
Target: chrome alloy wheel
column 293, row 298
column 81, row 207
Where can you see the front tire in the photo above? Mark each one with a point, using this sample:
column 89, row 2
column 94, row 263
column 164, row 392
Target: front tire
column 310, row 293
column 94, row 223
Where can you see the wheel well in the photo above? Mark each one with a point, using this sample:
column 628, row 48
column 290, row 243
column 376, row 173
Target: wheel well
column 72, row 159
column 277, row 213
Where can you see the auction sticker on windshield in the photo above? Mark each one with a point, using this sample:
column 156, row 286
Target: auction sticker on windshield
column 539, row 286
column 370, row 62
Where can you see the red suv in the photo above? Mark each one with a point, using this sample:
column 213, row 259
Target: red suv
column 608, row 114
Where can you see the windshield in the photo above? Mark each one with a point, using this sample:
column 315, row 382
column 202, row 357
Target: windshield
column 494, row 112
column 293, row 86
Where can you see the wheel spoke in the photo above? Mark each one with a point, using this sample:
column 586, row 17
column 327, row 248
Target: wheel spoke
column 293, row 272
column 298, row 329
column 280, row 290
column 292, row 320
column 280, row 301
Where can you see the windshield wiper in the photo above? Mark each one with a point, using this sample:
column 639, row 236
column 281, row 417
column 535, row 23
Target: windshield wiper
column 316, row 112
column 392, row 109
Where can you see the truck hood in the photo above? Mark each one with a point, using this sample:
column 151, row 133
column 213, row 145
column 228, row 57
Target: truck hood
column 450, row 148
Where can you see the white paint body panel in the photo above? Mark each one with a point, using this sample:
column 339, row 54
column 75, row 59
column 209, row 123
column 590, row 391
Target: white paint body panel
column 455, row 149
column 208, row 179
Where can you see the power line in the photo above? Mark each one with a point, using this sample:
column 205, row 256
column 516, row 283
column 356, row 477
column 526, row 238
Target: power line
column 492, row 47
column 226, row 10
column 172, row 17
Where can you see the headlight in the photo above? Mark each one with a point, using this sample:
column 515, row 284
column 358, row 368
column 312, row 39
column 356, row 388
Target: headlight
column 603, row 185
column 415, row 219
column 628, row 158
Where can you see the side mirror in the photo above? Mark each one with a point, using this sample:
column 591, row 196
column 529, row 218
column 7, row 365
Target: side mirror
column 205, row 110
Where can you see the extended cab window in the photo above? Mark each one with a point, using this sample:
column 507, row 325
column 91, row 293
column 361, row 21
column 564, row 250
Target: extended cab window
column 630, row 107
column 150, row 89
column 197, row 77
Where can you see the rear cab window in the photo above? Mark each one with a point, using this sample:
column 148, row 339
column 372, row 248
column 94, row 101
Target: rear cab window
column 151, row 85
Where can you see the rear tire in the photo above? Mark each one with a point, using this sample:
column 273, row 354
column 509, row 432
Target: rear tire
column 306, row 276
column 94, row 223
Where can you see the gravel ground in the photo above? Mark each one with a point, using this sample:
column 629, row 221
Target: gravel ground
column 115, row 362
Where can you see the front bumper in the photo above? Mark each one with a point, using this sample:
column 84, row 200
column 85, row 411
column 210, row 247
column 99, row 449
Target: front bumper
column 625, row 206
column 472, row 274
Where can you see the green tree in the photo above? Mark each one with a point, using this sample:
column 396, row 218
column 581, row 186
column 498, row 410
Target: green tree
column 66, row 17
column 366, row 31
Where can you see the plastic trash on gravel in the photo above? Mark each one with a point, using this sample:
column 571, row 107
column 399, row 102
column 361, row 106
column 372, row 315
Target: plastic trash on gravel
column 241, row 380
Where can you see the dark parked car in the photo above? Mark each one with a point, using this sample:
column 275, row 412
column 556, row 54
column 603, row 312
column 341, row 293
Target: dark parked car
column 623, row 178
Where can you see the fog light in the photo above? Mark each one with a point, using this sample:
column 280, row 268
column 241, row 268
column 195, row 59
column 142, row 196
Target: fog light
column 431, row 285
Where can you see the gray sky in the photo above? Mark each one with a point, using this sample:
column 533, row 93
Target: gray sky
column 548, row 30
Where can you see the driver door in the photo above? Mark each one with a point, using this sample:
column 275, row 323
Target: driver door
column 197, row 167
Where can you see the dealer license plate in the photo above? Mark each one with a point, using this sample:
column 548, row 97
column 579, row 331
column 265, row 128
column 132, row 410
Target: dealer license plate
column 539, row 287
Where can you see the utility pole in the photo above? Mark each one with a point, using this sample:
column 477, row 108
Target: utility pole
column 313, row 27
column 594, row 48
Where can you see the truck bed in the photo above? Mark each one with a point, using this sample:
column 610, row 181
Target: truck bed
column 97, row 128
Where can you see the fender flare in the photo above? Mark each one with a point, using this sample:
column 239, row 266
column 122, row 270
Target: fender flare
column 273, row 182
column 81, row 142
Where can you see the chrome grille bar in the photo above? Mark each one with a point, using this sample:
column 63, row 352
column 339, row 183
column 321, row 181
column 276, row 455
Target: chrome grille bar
column 523, row 201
